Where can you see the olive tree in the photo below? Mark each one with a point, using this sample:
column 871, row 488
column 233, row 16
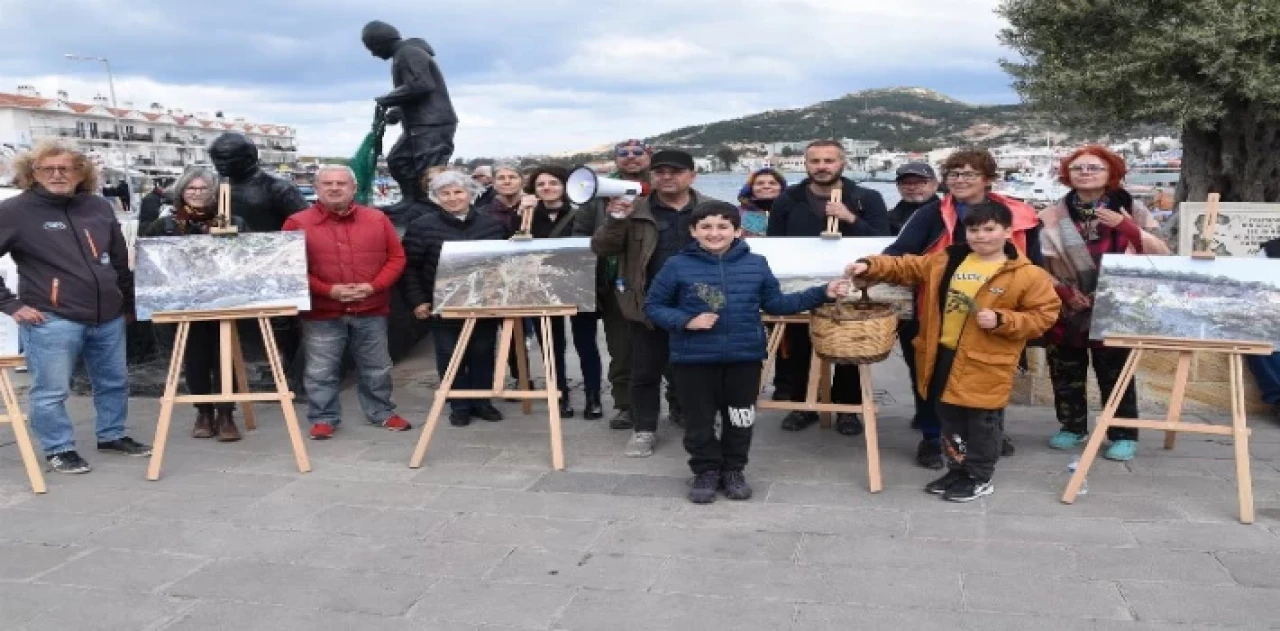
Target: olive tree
column 1210, row 67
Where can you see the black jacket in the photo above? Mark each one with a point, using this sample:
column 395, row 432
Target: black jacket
column 544, row 228
column 899, row 214
column 793, row 217
column 149, row 209
column 422, row 242
column 71, row 256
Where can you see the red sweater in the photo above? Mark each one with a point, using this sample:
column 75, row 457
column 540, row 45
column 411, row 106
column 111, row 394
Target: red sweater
column 359, row 247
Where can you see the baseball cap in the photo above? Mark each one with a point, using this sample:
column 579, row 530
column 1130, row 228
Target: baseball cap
column 672, row 158
column 918, row 169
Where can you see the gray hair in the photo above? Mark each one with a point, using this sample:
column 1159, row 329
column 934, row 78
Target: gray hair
column 507, row 166
column 453, row 178
column 196, row 173
column 335, row 167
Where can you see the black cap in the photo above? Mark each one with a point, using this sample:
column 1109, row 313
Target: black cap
column 918, row 169
column 672, row 158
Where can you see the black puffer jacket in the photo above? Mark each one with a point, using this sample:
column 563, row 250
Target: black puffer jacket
column 792, row 215
column 422, row 242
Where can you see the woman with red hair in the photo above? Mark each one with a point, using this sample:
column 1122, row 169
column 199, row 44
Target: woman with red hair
column 1097, row 217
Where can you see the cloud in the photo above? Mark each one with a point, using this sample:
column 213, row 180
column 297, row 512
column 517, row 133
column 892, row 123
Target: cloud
column 525, row 77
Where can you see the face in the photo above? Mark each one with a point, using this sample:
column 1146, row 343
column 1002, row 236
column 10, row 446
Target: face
column 507, row 182
column 823, row 164
column 915, row 189
column 966, row 182
column 58, row 174
column 336, row 188
column 548, row 188
column 454, row 199
column 631, row 160
column 671, row 181
column 988, row 238
column 197, row 193
column 766, row 186
column 1088, row 173
column 714, row 233
column 482, row 179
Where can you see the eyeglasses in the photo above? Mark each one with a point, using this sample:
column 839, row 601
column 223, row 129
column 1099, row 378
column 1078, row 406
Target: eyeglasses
column 197, row 189
column 630, row 152
column 52, row 170
column 1087, row 168
column 964, row 176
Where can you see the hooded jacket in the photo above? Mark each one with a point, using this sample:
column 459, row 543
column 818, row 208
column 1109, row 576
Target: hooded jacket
column 792, row 215
column 696, row 281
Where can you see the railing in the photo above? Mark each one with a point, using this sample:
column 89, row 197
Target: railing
column 139, row 137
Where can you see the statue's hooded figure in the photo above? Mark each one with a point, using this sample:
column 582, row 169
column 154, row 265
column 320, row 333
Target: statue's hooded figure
column 261, row 199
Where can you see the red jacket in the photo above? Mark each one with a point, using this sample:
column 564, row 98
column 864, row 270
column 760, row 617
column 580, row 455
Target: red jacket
column 359, row 247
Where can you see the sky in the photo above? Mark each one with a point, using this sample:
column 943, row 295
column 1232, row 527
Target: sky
column 525, row 76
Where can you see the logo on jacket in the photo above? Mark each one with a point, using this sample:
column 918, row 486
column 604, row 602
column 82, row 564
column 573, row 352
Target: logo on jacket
column 54, row 225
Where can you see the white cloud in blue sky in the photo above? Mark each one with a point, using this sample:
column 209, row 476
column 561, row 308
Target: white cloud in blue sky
column 526, row 76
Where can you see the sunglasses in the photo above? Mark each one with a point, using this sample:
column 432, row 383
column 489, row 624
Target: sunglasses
column 630, row 152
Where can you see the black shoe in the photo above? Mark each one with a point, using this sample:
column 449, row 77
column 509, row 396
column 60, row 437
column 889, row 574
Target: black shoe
column 704, row 487
column 796, row 421
column 460, row 418
column 939, row 486
column 593, row 410
column 676, row 417
column 1006, row 447
column 125, row 446
column 621, row 420
column 967, row 490
column 849, row 424
column 487, row 412
column 735, row 485
column 929, row 454
column 566, row 408
column 68, row 462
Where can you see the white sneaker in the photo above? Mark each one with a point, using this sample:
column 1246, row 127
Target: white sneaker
column 640, row 445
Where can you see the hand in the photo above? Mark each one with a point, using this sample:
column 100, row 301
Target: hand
column 360, row 291
column 702, row 322
column 856, row 269
column 839, row 288
column 619, row 208
column 341, row 293
column 422, row 311
column 987, row 319
column 1079, row 301
column 840, row 211
column 527, row 203
column 27, row 315
column 1109, row 218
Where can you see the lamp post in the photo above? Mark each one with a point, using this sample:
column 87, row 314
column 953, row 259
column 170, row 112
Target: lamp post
column 111, row 82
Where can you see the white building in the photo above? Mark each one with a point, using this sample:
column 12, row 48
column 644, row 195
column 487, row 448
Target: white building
column 154, row 139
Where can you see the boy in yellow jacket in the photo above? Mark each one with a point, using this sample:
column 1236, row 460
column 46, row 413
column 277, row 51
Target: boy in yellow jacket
column 981, row 302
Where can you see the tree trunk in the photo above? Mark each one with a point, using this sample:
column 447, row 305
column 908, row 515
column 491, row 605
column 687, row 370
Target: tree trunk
column 1239, row 158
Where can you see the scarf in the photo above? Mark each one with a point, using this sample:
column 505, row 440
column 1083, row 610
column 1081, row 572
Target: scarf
column 189, row 219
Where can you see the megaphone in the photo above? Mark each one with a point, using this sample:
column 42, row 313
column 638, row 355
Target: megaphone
column 584, row 185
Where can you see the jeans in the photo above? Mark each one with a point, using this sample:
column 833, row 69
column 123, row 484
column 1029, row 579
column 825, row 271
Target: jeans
column 325, row 342
column 52, row 349
column 476, row 369
column 1266, row 371
column 585, row 325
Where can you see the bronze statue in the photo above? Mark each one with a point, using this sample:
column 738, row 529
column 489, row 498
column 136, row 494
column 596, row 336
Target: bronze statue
column 263, row 200
column 419, row 103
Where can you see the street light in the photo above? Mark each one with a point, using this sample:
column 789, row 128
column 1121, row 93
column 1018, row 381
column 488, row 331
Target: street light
column 111, row 82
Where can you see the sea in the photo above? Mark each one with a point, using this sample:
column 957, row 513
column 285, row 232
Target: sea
column 725, row 186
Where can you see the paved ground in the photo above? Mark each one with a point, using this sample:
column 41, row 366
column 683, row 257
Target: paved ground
column 486, row 537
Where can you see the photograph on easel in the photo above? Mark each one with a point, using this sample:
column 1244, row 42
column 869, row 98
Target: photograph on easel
column 201, row 272
column 1176, row 296
column 536, row 273
column 1240, row 228
column 804, row 262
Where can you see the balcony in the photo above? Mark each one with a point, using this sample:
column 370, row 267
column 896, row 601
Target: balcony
column 56, row 132
column 139, row 137
column 172, row 139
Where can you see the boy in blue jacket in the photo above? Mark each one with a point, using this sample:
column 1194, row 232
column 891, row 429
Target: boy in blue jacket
column 709, row 297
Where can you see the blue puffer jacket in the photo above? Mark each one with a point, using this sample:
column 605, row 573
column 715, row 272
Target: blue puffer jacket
column 693, row 279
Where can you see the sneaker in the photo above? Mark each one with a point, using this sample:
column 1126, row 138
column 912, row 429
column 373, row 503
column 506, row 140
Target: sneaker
column 321, row 431
column 939, row 486
column 396, row 423
column 735, row 485
column 621, row 420
column 849, row 424
column 967, row 489
column 797, row 420
column 487, row 412
column 641, row 445
column 929, row 453
column 1065, row 440
column 1121, row 450
column 125, row 446
column 703, row 488
column 1006, row 447
column 68, row 462
column 460, row 418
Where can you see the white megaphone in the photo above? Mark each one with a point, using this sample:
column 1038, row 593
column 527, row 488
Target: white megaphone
column 584, row 185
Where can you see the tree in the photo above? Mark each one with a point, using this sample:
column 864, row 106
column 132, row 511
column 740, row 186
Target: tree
column 788, row 152
column 728, row 156
column 1208, row 66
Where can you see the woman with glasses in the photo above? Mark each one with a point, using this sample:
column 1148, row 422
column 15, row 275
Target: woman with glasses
column 755, row 200
column 968, row 175
column 195, row 211
column 1097, row 217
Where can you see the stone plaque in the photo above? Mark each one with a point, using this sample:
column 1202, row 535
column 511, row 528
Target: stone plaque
column 1242, row 227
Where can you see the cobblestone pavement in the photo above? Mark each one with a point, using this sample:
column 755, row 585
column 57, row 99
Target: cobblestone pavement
column 486, row 536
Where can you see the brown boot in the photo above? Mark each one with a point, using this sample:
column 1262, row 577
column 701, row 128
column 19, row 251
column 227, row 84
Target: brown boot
column 204, row 424
column 227, row 431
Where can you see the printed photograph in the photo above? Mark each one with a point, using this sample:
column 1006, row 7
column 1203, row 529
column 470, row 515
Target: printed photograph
column 803, row 262
column 537, row 273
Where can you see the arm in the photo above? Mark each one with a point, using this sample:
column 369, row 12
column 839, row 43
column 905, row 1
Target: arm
column 1037, row 311
column 914, row 236
column 393, row 267
column 873, row 219
column 906, row 270
column 9, row 302
column 611, row 238
column 414, row 67
column 416, row 284
column 774, row 302
column 660, row 302
column 777, row 226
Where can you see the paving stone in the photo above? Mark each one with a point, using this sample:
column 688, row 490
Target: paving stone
column 522, row 531
column 996, row 557
column 591, row 610
column 464, row 475
column 35, row 527
column 82, row 500
column 405, row 556
column 76, row 608
column 977, row 527
column 715, row 543
column 1046, row 596
column 403, row 495
column 250, row 617
column 786, row 518
column 1090, row 505
column 1149, row 564
column 207, row 540
column 479, row 602
column 1252, row 569
column 21, row 561
column 578, row 569
column 820, row 617
column 578, row 482
column 1203, row 536
column 130, row 571
column 1200, row 604
column 559, row 505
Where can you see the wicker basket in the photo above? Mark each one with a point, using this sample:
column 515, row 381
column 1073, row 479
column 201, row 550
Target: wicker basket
column 860, row 332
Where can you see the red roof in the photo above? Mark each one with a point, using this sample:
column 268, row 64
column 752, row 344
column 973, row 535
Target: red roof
column 36, row 102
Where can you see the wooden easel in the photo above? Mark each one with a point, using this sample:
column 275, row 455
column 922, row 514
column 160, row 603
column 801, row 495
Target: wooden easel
column 525, row 233
column 511, row 324
column 818, row 397
column 223, row 226
column 231, row 363
column 13, row 415
column 833, row 223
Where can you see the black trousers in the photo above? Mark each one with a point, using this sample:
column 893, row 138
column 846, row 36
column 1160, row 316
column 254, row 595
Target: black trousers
column 617, row 336
column 719, row 413
column 650, row 356
column 1069, row 372
column 476, row 370
column 202, row 363
column 971, row 437
column 585, row 327
column 926, row 418
column 846, row 385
